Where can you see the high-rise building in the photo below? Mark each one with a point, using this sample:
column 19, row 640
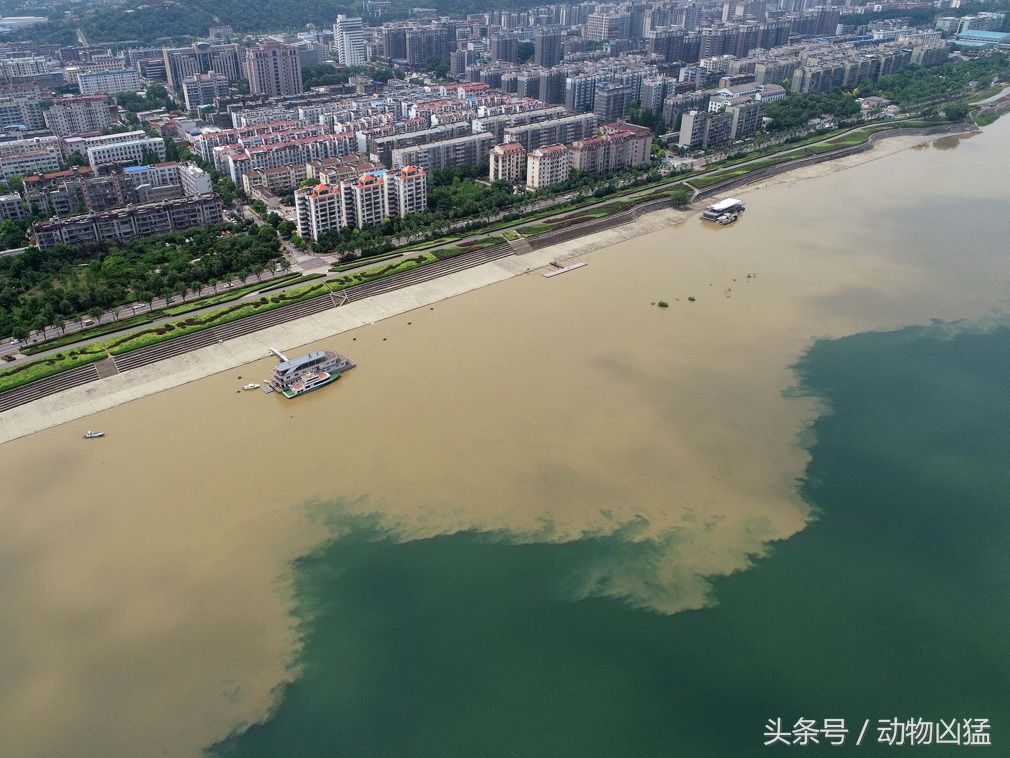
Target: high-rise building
column 369, row 200
column 654, row 91
column 201, row 58
column 79, row 115
column 508, row 162
column 580, row 91
column 603, row 26
column 365, row 200
column 611, row 101
column 24, row 108
column 547, row 47
column 504, row 47
column 394, row 42
column 108, row 82
column 349, row 41
column 422, row 43
column 460, row 59
column 547, row 166
column 746, row 115
column 666, row 42
column 552, row 131
column 619, row 146
column 700, row 130
column 408, row 191
column 273, row 69
column 202, row 89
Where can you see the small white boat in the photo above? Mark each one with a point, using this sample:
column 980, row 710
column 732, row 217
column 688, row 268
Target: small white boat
column 251, row 386
column 90, row 435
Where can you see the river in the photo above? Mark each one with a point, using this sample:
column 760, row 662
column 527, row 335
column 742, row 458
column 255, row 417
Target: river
column 153, row 601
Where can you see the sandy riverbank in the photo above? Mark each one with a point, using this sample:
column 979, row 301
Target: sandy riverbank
column 85, row 400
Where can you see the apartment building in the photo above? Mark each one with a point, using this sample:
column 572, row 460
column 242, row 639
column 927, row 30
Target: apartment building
column 349, row 41
column 497, row 123
column 23, row 164
column 701, row 130
column 507, row 162
column 108, row 82
column 128, row 151
column 84, row 190
column 35, row 155
column 12, row 207
column 273, row 69
column 74, row 191
column 237, row 160
column 382, row 148
column 471, row 150
column 21, row 107
column 562, row 130
column 79, row 115
column 408, row 192
column 205, row 142
column 201, row 58
column 129, row 223
column 365, row 200
column 277, row 180
column 548, row 165
column 619, row 146
column 203, row 89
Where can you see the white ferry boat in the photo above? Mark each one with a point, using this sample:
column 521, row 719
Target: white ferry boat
column 723, row 212
column 296, row 376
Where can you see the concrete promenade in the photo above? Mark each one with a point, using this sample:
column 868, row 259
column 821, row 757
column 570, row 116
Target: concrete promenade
column 78, row 402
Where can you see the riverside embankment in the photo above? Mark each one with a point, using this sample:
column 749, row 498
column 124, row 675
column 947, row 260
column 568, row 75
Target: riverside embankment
column 96, row 387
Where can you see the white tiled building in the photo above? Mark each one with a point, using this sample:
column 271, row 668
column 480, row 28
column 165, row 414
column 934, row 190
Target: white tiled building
column 78, row 115
column 548, row 165
column 133, row 151
column 108, row 82
column 366, row 200
column 410, row 190
column 508, row 162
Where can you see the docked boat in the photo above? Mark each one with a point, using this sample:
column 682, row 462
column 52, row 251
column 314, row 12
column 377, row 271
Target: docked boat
column 730, row 209
column 90, row 435
column 250, row 386
column 296, row 376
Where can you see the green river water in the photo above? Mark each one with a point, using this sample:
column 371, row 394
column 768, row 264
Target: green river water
column 893, row 603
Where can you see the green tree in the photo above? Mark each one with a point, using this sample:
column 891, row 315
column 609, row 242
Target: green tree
column 956, row 111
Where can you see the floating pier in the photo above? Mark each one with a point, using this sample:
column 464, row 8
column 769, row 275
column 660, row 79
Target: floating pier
column 559, row 269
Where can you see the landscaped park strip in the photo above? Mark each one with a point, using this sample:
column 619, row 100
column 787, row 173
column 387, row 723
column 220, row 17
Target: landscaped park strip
column 173, row 310
column 24, row 373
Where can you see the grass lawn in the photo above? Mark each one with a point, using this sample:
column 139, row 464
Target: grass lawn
column 87, row 334
column 298, row 279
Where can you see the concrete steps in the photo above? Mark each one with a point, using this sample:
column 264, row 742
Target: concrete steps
column 48, row 386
